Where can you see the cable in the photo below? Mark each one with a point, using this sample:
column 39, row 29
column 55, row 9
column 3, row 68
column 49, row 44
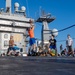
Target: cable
column 66, row 28
column 61, row 29
column 63, row 40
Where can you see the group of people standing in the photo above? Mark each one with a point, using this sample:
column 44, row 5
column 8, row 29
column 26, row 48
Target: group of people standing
column 52, row 42
column 51, row 45
column 32, row 49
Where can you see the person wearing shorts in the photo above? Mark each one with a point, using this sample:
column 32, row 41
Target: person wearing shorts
column 11, row 44
column 31, row 35
column 52, row 43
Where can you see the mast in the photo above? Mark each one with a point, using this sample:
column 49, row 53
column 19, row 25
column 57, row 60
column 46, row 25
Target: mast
column 45, row 19
column 8, row 6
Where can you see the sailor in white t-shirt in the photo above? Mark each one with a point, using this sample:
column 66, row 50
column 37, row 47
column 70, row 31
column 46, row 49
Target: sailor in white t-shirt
column 69, row 43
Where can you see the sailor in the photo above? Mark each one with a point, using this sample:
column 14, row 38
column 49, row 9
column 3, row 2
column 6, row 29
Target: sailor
column 69, row 43
column 32, row 38
column 11, row 44
column 52, row 45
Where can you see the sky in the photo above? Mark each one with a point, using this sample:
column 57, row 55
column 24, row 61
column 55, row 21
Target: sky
column 62, row 10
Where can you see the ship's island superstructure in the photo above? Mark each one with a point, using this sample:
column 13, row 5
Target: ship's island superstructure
column 14, row 24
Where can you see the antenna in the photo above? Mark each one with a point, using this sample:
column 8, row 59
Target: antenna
column 40, row 11
column 27, row 8
column 43, row 13
column 23, row 8
column 16, row 7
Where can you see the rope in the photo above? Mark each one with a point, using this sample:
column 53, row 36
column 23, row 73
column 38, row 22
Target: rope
column 61, row 29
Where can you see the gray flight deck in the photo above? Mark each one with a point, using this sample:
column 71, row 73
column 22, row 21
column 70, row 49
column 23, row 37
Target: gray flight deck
column 37, row 65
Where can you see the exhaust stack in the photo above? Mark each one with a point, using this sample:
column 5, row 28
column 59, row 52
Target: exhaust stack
column 8, row 6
